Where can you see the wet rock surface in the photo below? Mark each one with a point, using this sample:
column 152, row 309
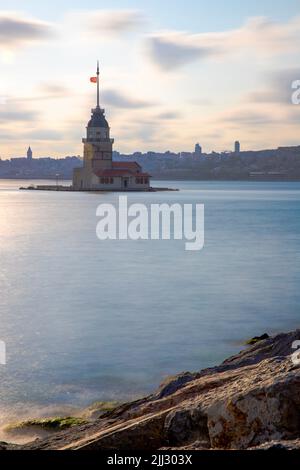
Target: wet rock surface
column 250, row 401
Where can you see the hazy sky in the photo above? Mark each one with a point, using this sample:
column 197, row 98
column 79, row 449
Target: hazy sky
column 173, row 73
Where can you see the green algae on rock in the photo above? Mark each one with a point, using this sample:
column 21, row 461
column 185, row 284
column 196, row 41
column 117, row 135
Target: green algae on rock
column 56, row 423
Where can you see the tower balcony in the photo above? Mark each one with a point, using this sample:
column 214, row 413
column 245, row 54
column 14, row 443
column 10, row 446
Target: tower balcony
column 96, row 140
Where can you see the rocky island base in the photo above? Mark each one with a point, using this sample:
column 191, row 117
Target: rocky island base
column 52, row 187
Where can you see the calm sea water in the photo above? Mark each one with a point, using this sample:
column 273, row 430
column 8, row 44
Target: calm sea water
column 85, row 320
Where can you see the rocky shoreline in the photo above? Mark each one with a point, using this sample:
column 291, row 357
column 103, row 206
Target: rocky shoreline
column 250, row 401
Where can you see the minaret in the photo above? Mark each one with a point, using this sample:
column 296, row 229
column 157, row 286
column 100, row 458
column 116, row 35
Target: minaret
column 29, row 153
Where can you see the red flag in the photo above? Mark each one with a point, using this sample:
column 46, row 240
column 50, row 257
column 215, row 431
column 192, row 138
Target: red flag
column 93, row 79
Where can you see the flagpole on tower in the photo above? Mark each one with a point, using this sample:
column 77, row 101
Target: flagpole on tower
column 97, row 83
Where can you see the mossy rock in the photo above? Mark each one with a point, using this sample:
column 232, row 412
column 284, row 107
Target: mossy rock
column 257, row 339
column 50, row 424
column 99, row 408
column 104, row 406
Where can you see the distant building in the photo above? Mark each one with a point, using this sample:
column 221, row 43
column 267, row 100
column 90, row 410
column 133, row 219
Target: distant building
column 198, row 150
column 29, row 153
column 237, row 147
column 186, row 155
column 99, row 171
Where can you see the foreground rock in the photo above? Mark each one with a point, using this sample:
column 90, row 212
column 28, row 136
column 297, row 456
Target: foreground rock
column 250, row 401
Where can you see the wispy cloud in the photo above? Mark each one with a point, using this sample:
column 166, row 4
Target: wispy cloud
column 52, row 89
column 17, row 116
column 277, row 88
column 249, row 117
column 104, row 22
column 34, row 135
column 17, row 30
column 172, row 49
column 120, row 100
column 169, row 115
column 43, row 92
column 228, row 95
column 43, row 135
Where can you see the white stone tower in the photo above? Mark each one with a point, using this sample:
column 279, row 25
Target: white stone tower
column 97, row 147
column 97, row 153
column 98, row 170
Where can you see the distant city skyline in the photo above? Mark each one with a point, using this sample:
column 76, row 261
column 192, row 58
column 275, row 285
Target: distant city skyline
column 172, row 73
column 195, row 149
column 281, row 164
